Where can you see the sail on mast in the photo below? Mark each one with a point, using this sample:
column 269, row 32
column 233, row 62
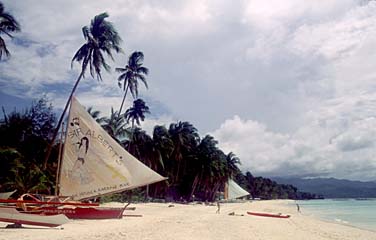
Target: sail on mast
column 94, row 164
column 233, row 190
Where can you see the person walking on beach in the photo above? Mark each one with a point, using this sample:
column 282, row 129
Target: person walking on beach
column 218, row 208
column 297, row 207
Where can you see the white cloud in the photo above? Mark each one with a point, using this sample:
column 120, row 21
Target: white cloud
column 337, row 140
column 338, row 37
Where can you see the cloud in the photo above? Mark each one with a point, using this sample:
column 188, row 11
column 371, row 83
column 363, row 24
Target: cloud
column 336, row 141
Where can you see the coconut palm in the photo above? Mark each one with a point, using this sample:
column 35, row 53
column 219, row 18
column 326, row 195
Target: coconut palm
column 231, row 164
column 101, row 37
column 131, row 75
column 8, row 24
column 95, row 114
column 137, row 112
column 163, row 143
column 115, row 126
column 185, row 138
column 143, row 148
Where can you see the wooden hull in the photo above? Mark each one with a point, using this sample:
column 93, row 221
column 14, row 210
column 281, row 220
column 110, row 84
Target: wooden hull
column 84, row 212
column 11, row 215
column 73, row 210
column 268, row 215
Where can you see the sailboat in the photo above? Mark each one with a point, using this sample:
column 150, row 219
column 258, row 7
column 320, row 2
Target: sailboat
column 93, row 164
column 233, row 190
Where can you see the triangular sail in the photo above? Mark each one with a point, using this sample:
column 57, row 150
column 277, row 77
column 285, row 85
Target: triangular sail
column 234, row 191
column 6, row 195
column 94, row 163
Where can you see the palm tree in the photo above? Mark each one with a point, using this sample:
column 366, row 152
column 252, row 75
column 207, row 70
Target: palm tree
column 231, row 164
column 143, row 149
column 212, row 171
column 8, row 24
column 131, row 74
column 163, row 143
column 115, row 126
column 185, row 138
column 101, row 37
column 95, row 114
column 137, row 112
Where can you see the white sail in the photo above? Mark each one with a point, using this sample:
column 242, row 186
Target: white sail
column 234, row 190
column 94, row 163
column 6, row 195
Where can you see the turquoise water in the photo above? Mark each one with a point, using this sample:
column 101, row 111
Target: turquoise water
column 357, row 213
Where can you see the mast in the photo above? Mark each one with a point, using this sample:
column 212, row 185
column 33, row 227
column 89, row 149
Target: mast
column 59, row 160
column 225, row 193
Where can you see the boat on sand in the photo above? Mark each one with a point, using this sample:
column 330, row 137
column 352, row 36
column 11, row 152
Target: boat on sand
column 11, row 215
column 279, row 215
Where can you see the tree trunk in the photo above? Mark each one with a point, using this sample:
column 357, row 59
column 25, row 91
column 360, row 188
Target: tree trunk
column 122, row 103
column 194, row 185
column 130, row 140
column 61, row 120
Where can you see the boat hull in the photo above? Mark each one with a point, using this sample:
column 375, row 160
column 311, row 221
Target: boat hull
column 84, row 212
column 268, row 215
column 73, row 210
column 11, row 215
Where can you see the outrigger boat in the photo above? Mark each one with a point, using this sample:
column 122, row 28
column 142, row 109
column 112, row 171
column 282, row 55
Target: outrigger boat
column 11, row 215
column 268, row 215
column 92, row 164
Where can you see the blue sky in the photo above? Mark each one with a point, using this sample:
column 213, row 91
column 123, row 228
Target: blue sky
column 288, row 86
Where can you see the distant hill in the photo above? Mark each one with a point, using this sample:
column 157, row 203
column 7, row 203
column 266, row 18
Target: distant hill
column 331, row 187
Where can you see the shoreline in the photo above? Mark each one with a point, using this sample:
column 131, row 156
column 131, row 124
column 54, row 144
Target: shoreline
column 316, row 215
column 198, row 221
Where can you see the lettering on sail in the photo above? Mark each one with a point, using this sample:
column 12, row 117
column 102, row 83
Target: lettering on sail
column 101, row 190
column 81, row 140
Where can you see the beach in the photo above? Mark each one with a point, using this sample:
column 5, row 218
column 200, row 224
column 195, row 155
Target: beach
column 197, row 221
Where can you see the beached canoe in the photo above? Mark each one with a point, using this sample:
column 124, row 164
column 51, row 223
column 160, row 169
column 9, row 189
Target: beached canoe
column 11, row 215
column 268, row 215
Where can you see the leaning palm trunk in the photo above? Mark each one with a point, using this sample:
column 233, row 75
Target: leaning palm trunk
column 122, row 103
column 194, row 185
column 61, row 120
column 130, row 141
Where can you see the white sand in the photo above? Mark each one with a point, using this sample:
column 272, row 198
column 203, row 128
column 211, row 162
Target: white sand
column 196, row 222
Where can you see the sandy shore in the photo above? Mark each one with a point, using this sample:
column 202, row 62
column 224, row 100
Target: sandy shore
column 196, row 221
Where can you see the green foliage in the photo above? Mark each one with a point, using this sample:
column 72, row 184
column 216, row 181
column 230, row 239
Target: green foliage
column 137, row 112
column 116, row 127
column 101, row 37
column 265, row 188
column 131, row 75
column 194, row 166
column 25, row 136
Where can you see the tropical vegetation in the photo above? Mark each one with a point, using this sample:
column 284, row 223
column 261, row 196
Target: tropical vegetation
column 195, row 166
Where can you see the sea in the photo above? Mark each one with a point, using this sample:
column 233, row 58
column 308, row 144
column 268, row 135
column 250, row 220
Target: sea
column 359, row 213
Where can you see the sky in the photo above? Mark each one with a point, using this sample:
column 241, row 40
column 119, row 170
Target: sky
column 288, row 86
